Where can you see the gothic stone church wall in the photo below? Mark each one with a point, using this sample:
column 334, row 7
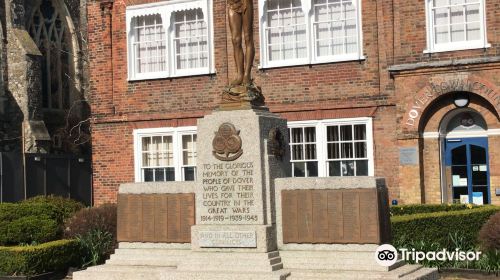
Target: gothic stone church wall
column 25, row 85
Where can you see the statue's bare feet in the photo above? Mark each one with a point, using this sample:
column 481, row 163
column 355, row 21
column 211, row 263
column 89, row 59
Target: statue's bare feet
column 237, row 81
column 247, row 80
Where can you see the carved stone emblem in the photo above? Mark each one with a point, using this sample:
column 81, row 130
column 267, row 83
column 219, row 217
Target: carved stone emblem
column 227, row 143
column 276, row 143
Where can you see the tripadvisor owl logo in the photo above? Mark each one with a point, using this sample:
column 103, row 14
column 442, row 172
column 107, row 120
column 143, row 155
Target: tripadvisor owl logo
column 386, row 255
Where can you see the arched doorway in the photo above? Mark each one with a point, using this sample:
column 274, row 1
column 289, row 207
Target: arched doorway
column 465, row 161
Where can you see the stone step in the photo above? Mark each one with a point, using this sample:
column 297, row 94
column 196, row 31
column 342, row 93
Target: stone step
column 335, row 248
column 406, row 272
column 230, row 259
column 151, row 251
column 424, row 273
column 212, row 275
column 333, row 264
column 328, row 254
column 171, row 262
column 128, row 268
column 122, row 272
column 242, row 267
column 109, row 272
column 234, row 255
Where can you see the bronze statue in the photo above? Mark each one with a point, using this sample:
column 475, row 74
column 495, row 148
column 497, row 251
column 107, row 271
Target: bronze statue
column 241, row 26
column 240, row 23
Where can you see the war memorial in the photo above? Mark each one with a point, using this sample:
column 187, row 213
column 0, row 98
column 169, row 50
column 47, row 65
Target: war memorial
column 245, row 217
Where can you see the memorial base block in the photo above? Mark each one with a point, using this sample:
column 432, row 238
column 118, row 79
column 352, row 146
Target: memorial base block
column 242, row 238
column 245, row 222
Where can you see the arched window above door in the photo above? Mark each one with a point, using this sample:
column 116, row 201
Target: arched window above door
column 50, row 33
column 462, row 123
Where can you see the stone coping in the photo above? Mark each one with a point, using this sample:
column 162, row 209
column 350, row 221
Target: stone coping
column 333, row 183
column 150, row 245
column 329, row 247
column 445, row 63
column 157, row 187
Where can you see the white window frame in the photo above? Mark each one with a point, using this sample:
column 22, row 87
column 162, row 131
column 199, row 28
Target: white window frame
column 457, row 46
column 176, row 133
column 307, row 8
column 166, row 9
column 321, row 139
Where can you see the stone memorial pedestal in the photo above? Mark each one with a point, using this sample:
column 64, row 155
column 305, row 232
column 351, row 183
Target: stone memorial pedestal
column 240, row 154
column 238, row 220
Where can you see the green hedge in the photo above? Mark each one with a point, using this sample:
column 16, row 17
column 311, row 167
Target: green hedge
column 437, row 227
column 30, row 260
column 411, row 209
column 36, row 220
column 64, row 207
column 28, row 229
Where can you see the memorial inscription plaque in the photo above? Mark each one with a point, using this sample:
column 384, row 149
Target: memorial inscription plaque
column 229, row 193
column 235, row 179
column 228, row 239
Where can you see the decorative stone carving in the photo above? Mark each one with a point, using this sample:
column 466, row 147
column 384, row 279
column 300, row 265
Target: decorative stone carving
column 227, row 143
column 238, row 93
column 17, row 13
column 276, row 143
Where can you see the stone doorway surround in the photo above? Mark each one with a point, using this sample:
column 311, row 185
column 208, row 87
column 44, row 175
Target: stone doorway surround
column 425, row 93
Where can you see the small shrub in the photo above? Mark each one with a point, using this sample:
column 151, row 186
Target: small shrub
column 101, row 218
column 411, row 209
column 14, row 215
column 96, row 246
column 489, row 235
column 29, row 260
column 95, row 230
column 37, row 220
column 65, row 208
column 14, row 211
column 490, row 261
column 28, row 230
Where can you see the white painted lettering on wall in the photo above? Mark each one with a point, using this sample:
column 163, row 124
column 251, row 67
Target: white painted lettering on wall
column 434, row 90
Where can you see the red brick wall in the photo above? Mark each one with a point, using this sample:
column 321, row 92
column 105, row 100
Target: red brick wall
column 410, row 33
column 393, row 33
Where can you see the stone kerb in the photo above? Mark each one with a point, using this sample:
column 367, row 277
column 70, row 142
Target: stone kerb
column 157, row 187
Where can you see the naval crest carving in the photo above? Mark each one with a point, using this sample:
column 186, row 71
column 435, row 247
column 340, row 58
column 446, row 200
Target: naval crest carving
column 227, row 143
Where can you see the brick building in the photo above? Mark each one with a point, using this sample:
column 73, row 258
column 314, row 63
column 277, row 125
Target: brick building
column 406, row 90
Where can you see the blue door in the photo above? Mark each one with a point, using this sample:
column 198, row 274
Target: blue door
column 467, row 160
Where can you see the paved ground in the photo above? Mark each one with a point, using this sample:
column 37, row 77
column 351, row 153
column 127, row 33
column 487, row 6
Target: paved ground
column 444, row 276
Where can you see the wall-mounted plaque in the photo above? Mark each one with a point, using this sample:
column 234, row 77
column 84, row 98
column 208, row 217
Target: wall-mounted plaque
column 408, row 156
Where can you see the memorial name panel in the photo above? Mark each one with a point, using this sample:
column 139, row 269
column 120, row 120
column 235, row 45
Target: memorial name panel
column 229, row 193
column 155, row 217
column 330, row 216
